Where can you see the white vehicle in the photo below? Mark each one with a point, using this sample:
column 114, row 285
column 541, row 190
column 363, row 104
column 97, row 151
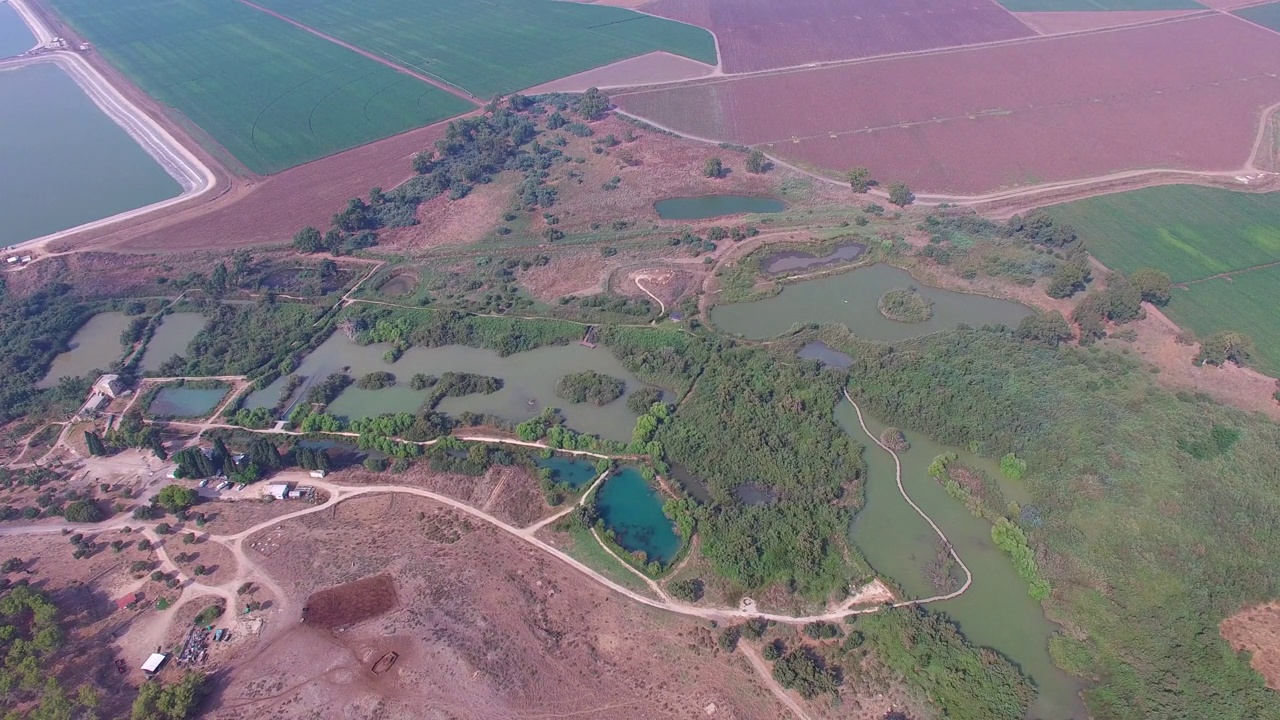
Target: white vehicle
column 204, row 482
column 224, row 485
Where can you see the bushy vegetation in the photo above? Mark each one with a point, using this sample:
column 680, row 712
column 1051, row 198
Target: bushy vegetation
column 753, row 420
column 33, row 330
column 158, row 700
column 1022, row 250
column 905, row 304
column 962, row 681
column 1121, row 513
column 376, row 380
column 590, row 386
column 433, row 328
column 641, row 399
column 246, row 339
column 804, row 671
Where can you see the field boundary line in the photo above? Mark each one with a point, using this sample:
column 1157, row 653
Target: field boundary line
column 447, row 87
column 1229, row 274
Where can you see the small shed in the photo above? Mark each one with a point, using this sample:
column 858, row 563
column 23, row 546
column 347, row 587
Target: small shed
column 127, row 600
column 154, row 662
column 317, row 473
column 279, row 491
column 96, row 402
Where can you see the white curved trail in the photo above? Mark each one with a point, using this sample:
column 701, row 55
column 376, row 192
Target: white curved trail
column 897, row 468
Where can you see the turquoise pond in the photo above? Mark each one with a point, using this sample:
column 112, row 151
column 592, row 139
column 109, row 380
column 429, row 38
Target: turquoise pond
column 570, row 471
column 633, row 510
column 185, row 401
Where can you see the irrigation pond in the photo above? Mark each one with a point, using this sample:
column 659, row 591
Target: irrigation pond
column 65, row 162
column 185, row 402
column 851, row 298
column 93, row 347
column 172, row 337
column 574, row 472
column 710, row 206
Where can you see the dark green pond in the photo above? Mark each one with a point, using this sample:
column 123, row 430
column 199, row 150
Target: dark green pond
column 571, row 471
column 709, row 206
column 633, row 510
column 185, row 402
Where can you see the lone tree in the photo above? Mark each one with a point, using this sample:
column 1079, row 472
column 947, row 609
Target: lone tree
column 593, row 104
column 757, row 163
column 900, row 194
column 1154, row 285
column 176, row 498
column 96, row 448
column 308, row 240
column 859, row 179
column 713, row 168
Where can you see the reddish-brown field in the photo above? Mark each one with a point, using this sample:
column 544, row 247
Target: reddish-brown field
column 351, row 602
column 270, row 210
column 1180, row 95
column 1056, row 23
column 764, row 34
column 1257, row 631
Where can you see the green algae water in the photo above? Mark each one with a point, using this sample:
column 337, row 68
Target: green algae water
column 94, row 346
column 529, row 383
column 633, row 510
column 996, row 611
column 185, row 402
column 176, row 331
column 851, row 299
column 65, row 163
column 709, row 206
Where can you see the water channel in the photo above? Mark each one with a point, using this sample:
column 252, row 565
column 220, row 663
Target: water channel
column 15, row 36
column 709, row 206
column 93, row 347
column 633, row 510
column 850, row 299
column 529, row 383
column 65, row 162
column 172, row 337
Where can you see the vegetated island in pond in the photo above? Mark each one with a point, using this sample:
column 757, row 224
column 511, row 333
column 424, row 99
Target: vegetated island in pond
column 905, row 304
column 590, row 385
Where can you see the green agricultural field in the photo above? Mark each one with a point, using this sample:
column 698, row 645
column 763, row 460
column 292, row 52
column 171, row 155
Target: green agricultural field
column 272, row 95
column 1194, row 234
column 1097, row 5
column 1267, row 16
column 500, row 46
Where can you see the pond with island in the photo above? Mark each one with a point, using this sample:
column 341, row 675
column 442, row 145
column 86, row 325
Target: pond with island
column 850, row 299
column 711, row 206
column 529, row 383
column 632, row 508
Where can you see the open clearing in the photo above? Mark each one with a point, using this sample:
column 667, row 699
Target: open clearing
column 980, row 120
column 763, row 34
column 1257, row 630
column 501, row 46
column 1223, row 245
column 272, row 95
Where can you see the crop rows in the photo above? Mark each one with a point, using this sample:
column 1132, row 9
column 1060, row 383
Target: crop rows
column 272, row 95
column 499, row 46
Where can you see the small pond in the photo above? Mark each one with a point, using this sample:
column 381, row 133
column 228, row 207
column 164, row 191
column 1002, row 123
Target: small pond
column 825, row 354
column 172, row 337
column 850, row 299
column 633, row 510
column 186, row 402
column 694, row 486
column 709, row 206
column 575, row 473
column 793, row 260
column 529, row 383
column 752, row 494
column 93, row 347
column 399, row 285
column 996, row 611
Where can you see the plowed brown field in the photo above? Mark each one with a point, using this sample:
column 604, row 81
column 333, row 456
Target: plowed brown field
column 1180, row 95
column 764, row 34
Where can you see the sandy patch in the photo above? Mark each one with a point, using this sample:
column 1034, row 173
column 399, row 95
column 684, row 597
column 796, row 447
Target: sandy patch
column 650, row 69
column 1055, row 23
column 1257, row 630
column 443, row 222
